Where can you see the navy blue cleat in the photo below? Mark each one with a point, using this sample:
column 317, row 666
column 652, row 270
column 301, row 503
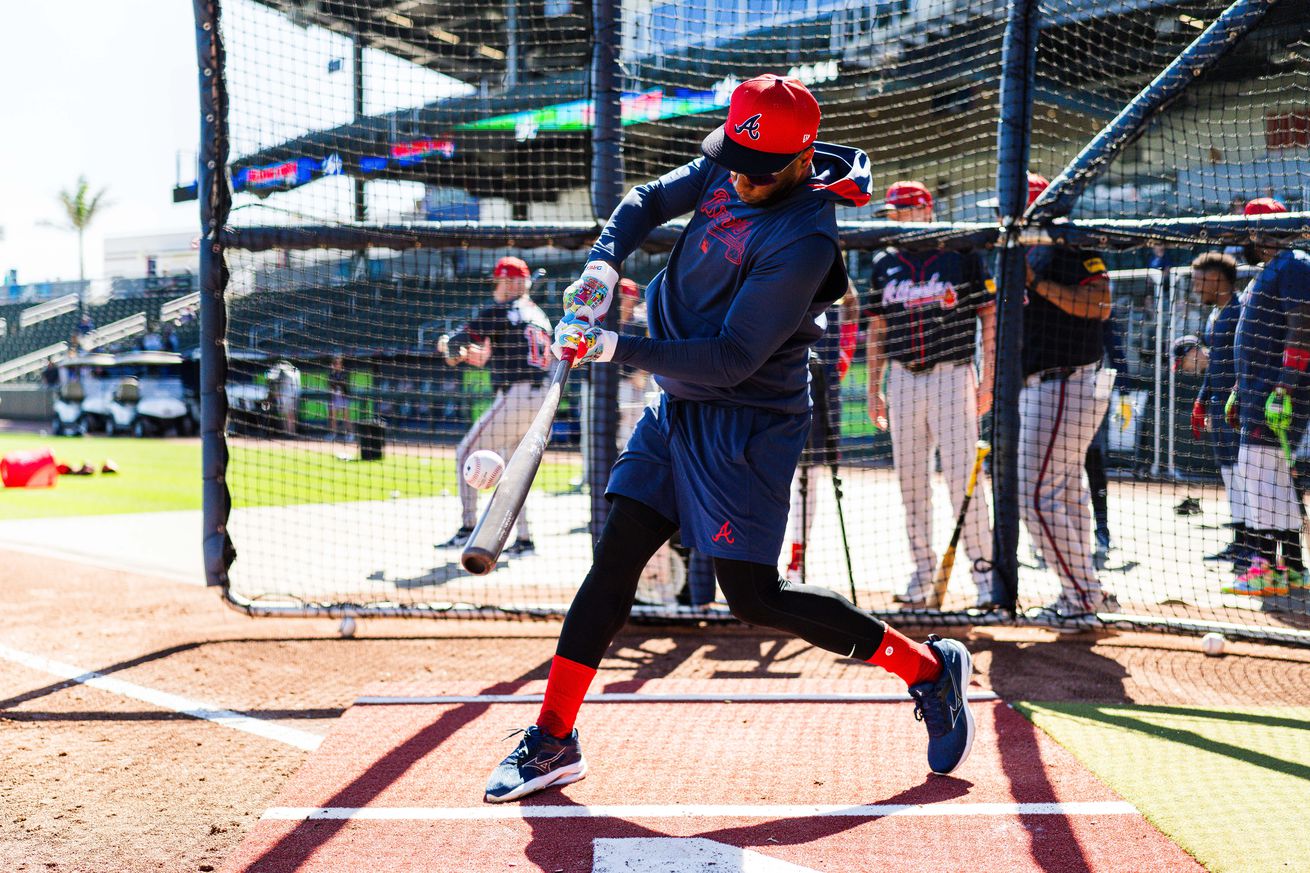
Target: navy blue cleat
column 539, row 761
column 943, row 707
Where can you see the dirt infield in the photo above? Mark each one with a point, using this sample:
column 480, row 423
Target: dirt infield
column 98, row 779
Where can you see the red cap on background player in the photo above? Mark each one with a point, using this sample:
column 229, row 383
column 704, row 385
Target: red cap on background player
column 628, row 288
column 1263, row 206
column 906, row 195
column 511, row 266
column 771, row 120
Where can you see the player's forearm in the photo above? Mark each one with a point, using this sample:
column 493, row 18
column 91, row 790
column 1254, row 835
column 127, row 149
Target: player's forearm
column 987, row 320
column 716, row 362
column 875, row 358
column 1091, row 301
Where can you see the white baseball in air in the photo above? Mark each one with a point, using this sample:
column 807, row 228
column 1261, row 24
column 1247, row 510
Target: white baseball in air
column 1213, row 644
column 483, row 468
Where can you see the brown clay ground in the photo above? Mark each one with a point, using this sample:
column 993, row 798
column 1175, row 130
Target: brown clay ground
column 93, row 781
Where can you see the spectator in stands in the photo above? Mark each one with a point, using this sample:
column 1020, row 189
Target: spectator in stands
column 85, row 325
column 171, row 341
column 151, row 341
column 339, row 400
column 50, row 375
column 75, row 345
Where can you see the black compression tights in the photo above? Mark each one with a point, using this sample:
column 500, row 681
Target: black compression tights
column 757, row 595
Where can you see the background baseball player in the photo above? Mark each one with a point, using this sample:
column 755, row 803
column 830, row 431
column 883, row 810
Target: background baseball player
column 1272, row 350
column 924, row 311
column 1214, row 279
column 512, row 336
column 1061, row 406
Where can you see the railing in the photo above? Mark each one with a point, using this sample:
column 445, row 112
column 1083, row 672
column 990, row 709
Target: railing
column 173, row 308
column 30, row 362
column 115, row 331
column 46, row 311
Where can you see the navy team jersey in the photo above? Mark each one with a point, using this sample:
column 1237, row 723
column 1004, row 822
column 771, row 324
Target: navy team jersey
column 733, row 314
column 930, row 301
column 1219, row 338
column 1282, row 285
column 520, row 340
column 1052, row 338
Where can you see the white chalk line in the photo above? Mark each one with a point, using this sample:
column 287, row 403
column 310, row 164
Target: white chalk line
column 166, row 700
column 606, row 697
column 770, row 811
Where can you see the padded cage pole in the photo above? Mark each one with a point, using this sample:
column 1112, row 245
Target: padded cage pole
column 1214, row 43
column 215, row 202
column 606, row 192
column 1013, row 141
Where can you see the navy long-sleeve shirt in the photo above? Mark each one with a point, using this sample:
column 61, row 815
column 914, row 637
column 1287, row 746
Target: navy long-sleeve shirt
column 733, row 314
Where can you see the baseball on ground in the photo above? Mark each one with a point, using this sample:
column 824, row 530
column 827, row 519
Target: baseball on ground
column 1212, row 644
column 483, row 468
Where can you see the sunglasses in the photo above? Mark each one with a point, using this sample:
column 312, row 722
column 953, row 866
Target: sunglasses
column 760, row 180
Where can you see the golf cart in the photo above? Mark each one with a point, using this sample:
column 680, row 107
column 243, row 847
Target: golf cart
column 82, row 402
column 150, row 396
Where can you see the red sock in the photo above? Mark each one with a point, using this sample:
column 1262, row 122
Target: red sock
column 565, row 688
column 913, row 662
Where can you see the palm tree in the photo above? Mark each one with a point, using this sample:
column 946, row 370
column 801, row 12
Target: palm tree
column 81, row 209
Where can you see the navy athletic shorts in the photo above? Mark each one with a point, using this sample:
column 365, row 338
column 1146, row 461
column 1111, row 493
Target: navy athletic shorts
column 722, row 473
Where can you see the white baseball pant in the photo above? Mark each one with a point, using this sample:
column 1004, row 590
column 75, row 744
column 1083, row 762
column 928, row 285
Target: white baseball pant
column 1058, row 419
column 937, row 408
column 1269, row 500
column 499, row 428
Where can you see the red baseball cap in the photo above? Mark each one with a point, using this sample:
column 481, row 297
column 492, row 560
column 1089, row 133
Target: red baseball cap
column 628, row 288
column 511, row 266
column 906, row 195
column 1263, row 206
column 1037, row 183
column 771, row 120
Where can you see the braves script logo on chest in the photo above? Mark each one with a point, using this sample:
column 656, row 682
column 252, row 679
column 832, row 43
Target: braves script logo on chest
column 724, row 226
column 913, row 295
column 750, row 127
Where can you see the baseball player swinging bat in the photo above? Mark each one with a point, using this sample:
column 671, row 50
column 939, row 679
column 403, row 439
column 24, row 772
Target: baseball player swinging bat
column 943, row 576
column 488, row 539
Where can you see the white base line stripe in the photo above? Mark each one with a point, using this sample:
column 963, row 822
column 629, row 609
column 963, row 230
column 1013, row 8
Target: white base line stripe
column 900, row 697
column 164, row 700
column 497, row 813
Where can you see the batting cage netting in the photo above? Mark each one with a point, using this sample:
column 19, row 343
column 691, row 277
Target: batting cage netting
column 1067, row 385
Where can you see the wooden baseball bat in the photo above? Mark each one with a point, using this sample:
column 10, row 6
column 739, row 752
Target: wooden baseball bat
column 488, row 539
column 943, row 577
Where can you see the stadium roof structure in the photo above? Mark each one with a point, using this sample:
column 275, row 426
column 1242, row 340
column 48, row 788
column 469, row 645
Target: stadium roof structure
column 469, row 40
column 525, row 135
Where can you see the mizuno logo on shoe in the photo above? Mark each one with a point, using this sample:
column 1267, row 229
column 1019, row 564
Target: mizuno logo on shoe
column 541, row 765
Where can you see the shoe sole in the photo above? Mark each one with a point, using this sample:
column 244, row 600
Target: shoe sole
column 962, row 685
column 566, row 775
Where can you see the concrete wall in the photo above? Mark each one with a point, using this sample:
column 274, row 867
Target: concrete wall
column 26, row 402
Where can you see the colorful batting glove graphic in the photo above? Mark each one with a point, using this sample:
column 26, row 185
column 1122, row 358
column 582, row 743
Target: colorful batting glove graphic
column 588, row 299
column 1278, row 411
column 586, row 344
column 1232, row 412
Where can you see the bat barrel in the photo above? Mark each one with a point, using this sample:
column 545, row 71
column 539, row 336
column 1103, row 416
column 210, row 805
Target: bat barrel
column 478, row 561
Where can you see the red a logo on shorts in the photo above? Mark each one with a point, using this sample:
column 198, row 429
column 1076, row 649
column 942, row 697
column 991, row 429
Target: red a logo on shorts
column 725, row 533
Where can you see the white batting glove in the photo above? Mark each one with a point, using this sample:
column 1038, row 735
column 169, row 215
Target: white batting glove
column 585, row 343
column 588, row 299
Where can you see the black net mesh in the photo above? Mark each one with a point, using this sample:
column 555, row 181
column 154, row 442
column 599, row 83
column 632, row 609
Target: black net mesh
column 352, row 293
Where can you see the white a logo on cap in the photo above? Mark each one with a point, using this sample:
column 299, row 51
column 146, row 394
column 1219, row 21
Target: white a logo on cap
column 750, row 126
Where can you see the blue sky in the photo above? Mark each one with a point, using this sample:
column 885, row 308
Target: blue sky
column 108, row 89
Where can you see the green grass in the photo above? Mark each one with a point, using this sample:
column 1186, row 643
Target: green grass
column 158, row 475
column 1229, row 785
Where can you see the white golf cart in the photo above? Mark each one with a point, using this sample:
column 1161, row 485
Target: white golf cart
column 82, row 402
column 150, row 397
